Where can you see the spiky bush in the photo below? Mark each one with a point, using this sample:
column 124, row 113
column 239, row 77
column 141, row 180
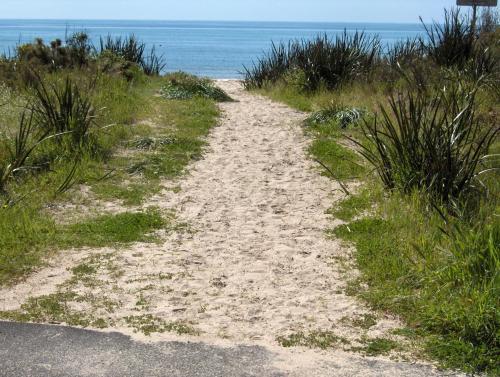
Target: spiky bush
column 16, row 151
column 451, row 43
column 153, row 64
column 455, row 44
column 129, row 48
column 323, row 61
column 434, row 142
column 270, row 68
column 405, row 52
column 64, row 110
column 132, row 50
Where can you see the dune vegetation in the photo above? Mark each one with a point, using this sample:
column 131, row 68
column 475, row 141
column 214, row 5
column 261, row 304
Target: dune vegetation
column 417, row 124
column 81, row 124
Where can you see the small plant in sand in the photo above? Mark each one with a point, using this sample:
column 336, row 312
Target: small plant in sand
column 334, row 113
column 181, row 85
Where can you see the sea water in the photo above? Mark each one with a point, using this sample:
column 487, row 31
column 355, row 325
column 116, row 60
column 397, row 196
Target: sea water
column 213, row 49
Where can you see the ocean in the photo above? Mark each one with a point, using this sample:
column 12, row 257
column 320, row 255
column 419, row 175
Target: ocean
column 212, row 49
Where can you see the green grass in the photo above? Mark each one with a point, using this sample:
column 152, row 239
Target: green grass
column 27, row 240
column 377, row 347
column 112, row 229
column 344, row 164
column 354, row 205
column 409, row 269
column 353, row 95
column 129, row 112
column 133, row 194
column 25, row 237
column 176, row 139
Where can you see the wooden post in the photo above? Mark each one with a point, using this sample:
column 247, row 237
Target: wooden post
column 474, row 21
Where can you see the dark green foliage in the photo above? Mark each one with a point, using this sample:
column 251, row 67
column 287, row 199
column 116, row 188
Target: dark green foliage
column 454, row 44
column 182, row 85
column 324, row 62
column 65, row 110
column 451, row 43
column 128, row 48
column 132, row 50
column 271, row 68
column 80, row 49
column 120, row 55
column 75, row 53
column 433, row 141
column 153, row 64
column 405, row 52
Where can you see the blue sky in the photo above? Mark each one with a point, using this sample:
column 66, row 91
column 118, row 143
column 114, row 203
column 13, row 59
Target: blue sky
column 259, row 10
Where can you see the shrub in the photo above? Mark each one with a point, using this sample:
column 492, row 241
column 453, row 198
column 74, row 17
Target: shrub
column 181, row 85
column 323, row 61
column 271, row 68
column 455, row 44
column 113, row 65
column 153, row 64
column 335, row 62
column 128, row 48
column 75, row 54
column 64, row 111
column 489, row 20
column 405, row 52
column 132, row 50
column 79, row 49
column 430, row 141
column 451, row 43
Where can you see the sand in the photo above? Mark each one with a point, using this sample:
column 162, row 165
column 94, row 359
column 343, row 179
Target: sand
column 254, row 262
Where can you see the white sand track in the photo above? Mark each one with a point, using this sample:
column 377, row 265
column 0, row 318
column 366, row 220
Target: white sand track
column 255, row 264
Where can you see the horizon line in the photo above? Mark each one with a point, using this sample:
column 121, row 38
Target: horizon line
column 200, row 20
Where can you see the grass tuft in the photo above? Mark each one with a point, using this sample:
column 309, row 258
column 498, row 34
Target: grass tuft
column 315, row 339
column 113, row 229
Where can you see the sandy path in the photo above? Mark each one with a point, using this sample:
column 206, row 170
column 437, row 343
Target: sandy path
column 254, row 263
